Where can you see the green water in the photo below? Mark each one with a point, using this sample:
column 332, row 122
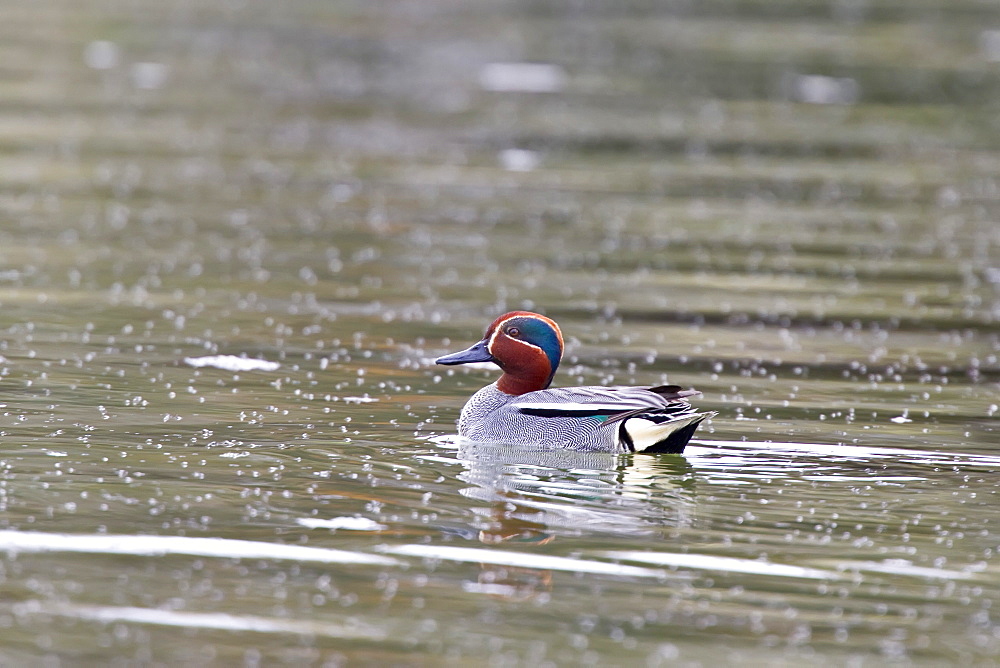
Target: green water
column 790, row 206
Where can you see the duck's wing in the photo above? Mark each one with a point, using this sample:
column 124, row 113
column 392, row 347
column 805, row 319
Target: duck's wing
column 656, row 419
column 614, row 403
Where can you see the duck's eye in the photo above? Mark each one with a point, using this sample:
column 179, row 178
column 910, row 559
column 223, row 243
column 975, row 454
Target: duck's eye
column 513, row 331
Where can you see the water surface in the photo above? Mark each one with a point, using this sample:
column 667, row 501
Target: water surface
column 791, row 208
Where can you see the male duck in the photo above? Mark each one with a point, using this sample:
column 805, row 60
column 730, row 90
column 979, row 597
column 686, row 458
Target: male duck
column 518, row 407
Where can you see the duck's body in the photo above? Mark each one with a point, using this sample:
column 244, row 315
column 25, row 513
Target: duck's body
column 519, row 407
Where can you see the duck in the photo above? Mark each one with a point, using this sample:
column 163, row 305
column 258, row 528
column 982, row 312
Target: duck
column 521, row 407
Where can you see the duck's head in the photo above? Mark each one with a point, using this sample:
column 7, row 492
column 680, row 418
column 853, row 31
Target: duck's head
column 527, row 346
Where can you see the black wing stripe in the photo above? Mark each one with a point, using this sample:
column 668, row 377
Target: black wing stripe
column 614, row 413
column 571, row 412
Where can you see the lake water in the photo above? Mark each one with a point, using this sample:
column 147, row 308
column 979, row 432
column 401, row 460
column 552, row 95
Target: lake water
column 792, row 207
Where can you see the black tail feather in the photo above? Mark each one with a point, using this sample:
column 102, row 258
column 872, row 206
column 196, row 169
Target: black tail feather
column 671, row 392
column 675, row 442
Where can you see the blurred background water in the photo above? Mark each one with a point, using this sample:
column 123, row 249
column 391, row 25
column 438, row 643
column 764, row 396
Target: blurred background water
column 791, row 206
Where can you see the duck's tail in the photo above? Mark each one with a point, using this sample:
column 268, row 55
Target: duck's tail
column 650, row 433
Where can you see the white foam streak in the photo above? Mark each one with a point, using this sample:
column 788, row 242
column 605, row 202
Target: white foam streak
column 754, row 567
column 520, row 560
column 231, row 363
column 159, row 546
column 853, row 452
column 904, row 567
column 346, row 523
column 201, row 620
column 728, row 564
column 522, row 77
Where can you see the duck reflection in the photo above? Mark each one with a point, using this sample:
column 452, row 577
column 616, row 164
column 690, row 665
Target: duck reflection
column 506, row 521
column 534, row 496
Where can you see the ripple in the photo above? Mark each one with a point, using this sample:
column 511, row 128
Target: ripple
column 160, row 546
column 201, row 620
column 520, row 559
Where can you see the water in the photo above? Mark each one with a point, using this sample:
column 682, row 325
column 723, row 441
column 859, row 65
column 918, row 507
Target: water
column 791, row 208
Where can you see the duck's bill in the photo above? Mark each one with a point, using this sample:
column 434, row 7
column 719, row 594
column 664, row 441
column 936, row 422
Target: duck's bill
column 477, row 353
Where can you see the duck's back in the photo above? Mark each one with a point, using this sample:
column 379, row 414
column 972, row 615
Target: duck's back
column 583, row 418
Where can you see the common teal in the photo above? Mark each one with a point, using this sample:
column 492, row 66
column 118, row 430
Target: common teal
column 519, row 408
